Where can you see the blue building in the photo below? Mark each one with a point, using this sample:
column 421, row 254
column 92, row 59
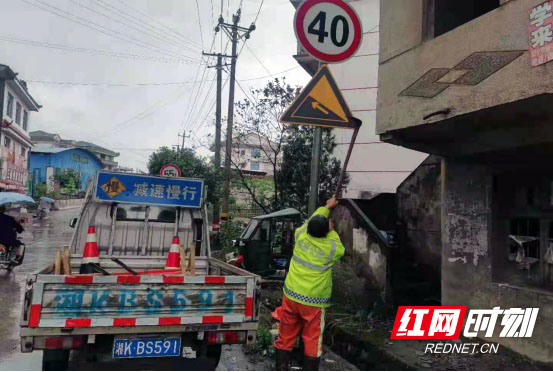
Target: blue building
column 47, row 162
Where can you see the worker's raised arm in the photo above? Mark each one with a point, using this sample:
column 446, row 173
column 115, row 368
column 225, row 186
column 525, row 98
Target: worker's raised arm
column 322, row 211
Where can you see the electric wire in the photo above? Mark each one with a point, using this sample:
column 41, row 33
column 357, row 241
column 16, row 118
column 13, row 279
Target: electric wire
column 158, row 105
column 129, row 26
column 89, row 24
column 191, row 104
column 258, row 11
column 193, row 123
column 112, row 84
column 200, row 23
column 146, row 28
column 69, row 48
column 153, row 28
column 161, row 24
column 258, row 60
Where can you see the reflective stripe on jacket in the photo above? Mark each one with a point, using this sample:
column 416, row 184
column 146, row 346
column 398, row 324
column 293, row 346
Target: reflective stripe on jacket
column 309, row 280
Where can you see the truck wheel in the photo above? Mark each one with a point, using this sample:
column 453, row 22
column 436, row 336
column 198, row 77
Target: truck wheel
column 214, row 354
column 55, row 360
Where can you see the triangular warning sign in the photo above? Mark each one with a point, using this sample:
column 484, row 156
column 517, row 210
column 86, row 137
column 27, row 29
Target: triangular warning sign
column 320, row 103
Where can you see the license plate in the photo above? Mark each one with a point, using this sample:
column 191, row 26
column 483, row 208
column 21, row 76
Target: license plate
column 146, row 347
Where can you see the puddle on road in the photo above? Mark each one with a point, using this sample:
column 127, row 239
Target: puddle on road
column 41, row 244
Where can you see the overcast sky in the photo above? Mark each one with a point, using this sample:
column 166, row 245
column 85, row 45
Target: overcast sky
column 134, row 44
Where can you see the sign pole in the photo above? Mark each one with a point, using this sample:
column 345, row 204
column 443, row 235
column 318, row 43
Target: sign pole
column 315, row 170
column 346, row 161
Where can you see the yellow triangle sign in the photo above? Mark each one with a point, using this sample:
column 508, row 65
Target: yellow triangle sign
column 320, row 103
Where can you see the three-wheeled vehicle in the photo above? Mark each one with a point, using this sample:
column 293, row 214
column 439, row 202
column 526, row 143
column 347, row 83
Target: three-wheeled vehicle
column 267, row 243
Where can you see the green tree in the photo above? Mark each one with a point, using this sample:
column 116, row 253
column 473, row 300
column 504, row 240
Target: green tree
column 70, row 181
column 189, row 162
column 286, row 147
column 295, row 172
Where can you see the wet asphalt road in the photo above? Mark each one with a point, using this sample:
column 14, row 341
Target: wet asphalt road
column 42, row 241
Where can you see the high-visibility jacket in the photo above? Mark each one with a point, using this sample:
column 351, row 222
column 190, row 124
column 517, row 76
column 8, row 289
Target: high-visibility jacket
column 309, row 280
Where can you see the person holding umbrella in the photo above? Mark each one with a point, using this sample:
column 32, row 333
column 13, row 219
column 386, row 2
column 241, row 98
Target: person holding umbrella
column 9, row 228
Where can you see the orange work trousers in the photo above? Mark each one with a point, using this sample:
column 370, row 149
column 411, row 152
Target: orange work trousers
column 296, row 318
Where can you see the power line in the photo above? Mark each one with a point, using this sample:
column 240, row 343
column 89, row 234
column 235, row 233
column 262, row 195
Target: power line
column 200, row 23
column 243, row 91
column 195, row 123
column 259, row 11
column 129, row 26
column 195, row 118
column 161, row 24
column 258, row 60
column 70, row 48
column 141, row 22
column 148, row 84
column 212, row 15
column 109, row 32
column 111, row 84
column 192, row 103
column 199, row 123
column 275, row 74
column 158, row 105
column 163, row 36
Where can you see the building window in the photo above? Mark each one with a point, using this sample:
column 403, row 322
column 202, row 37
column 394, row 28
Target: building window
column 7, row 142
column 76, row 157
column 18, row 113
column 256, row 153
column 242, row 152
column 102, row 156
column 25, row 120
column 9, row 108
column 84, row 160
column 523, row 229
column 23, row 152
column 254, row 165
column 442, row 16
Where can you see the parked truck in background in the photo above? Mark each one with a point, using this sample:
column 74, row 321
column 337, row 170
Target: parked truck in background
column 115, row 316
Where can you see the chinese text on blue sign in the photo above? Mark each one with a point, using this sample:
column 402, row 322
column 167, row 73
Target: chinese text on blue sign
column 129, row 188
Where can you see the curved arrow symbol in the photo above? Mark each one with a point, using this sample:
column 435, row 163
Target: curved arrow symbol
column 318, row 106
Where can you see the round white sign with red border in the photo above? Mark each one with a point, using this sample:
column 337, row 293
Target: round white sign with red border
column 170, row 170
column 329, row 30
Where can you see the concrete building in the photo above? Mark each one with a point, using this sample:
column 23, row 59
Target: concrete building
column 375, row 166
column 470, row 81
column 106, row 156
column 253, row 155
column 48, row 162
column 15, row 143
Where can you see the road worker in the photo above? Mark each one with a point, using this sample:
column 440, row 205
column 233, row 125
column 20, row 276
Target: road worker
column 307, row 288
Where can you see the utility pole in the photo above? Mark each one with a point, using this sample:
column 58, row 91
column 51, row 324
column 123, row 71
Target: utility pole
column 217, row 159
column 183, row 136
column 217, row 201
column 235, row 33
column 315, row 170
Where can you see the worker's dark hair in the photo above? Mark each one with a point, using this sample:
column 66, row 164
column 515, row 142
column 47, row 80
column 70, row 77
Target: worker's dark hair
column 317, row 226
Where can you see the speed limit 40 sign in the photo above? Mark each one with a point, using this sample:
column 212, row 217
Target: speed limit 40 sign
column 329, row 30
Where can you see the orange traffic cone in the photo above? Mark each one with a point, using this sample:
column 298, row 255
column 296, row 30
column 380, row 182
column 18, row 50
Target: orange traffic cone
column 173, row 259
column 90, row 253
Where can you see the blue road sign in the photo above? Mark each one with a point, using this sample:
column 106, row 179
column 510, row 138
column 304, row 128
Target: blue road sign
column 150, row 190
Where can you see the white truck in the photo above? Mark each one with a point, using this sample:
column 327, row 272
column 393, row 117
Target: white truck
column 110, row 316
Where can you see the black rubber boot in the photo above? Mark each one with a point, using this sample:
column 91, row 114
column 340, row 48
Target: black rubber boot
column 311, row 364
column 282, row 360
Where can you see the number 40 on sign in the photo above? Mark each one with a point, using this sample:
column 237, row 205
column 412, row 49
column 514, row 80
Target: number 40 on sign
column 329, row 30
